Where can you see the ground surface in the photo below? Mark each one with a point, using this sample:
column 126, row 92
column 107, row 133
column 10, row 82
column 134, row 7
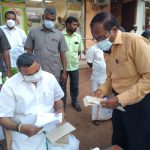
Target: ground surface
column 90, row 136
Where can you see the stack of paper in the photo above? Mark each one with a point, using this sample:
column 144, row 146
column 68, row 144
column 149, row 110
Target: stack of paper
column 46, row 118
column 60, row 134
column 90, row 100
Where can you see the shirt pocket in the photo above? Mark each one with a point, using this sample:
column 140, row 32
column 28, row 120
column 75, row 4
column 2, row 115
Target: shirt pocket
column 76, row 46
column 123, row 69
column 53, row 45
column 49, row 98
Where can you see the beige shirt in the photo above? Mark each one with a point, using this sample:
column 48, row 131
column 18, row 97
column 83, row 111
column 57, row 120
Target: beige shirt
column 128, row 68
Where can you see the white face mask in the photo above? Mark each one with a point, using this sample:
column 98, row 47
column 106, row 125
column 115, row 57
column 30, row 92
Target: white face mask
column 49, row 24
column 35, row 77
column 105, row 45
column 10, row 23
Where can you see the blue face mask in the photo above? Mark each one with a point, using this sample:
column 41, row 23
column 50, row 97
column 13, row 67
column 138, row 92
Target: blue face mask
column 105, row 45
column 49, row 24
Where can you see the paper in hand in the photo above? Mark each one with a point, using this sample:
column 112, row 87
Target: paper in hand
column 46, row 118
column 56, row 134
column 90, row 100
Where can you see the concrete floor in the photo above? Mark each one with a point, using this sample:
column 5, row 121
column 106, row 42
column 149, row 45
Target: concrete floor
column 90, row 136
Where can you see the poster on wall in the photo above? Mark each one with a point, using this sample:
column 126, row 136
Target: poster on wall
column 20, row 11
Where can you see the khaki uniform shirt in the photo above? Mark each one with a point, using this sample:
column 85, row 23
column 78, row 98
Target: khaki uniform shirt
column 47, row 47
column 128, row 68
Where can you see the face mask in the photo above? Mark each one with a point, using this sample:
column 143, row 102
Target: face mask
column 49, row 24
column 105, row 45
column 34, row 78
column 10, row 23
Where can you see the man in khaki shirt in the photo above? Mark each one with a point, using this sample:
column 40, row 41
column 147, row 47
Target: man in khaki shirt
column 128, row 76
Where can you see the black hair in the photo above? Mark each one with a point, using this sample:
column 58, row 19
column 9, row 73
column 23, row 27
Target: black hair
column 122, row 29
column 10, row 12
column 107, row 19
column 70, row 20
column 50, row 10
column 25, row 60
column 146, row 34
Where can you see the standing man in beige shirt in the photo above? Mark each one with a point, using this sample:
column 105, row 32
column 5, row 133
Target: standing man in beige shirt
column 128, row 75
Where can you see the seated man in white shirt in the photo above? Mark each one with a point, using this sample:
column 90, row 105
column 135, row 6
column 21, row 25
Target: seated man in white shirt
column 16, row 37
column 25, row 95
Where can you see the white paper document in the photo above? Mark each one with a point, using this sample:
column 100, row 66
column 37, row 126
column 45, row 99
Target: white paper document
column 90, row 100
column 46, row 118
column 56, row 135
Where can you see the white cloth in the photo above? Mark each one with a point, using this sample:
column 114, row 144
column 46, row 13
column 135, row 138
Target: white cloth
column 16, row 38
column 22, row 101
column 95, row 56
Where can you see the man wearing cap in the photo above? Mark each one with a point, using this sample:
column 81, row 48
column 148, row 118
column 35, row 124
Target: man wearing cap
column 49, row 46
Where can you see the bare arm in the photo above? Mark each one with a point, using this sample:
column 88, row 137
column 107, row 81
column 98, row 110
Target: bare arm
column 64, row 63
column 59, row 107
column 26, row 129
column 6, row 57
column 8, row 123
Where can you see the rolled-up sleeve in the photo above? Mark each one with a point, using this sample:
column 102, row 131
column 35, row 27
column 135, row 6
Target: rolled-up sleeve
column 62, row 44
column 4, row 44
column 7, row 102
column 30, row 41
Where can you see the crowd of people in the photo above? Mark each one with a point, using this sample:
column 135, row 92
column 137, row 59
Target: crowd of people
column 36, row 68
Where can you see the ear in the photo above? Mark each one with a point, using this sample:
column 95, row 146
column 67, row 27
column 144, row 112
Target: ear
column 114, row 29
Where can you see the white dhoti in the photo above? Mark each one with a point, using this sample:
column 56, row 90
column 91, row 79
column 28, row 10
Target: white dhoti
column 39, row 142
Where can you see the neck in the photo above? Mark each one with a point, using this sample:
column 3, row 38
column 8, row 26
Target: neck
column 69, row 33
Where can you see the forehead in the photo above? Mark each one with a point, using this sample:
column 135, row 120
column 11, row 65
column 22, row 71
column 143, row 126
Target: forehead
column 10, row 16
column 30, row 70
column 98, row 28
column 74, row 23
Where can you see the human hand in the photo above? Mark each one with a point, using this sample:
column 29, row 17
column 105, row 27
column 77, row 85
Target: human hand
column 8, row 73
column 63, row 77
column 29, row 130
column 98, row 93
column 112, row 103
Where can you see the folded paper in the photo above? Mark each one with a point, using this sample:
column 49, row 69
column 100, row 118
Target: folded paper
column 55, row 135
column 90, row 100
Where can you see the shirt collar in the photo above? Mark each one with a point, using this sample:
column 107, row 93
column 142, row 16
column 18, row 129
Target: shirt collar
column 51, row 30
column 5, row 27
column 119, row 38
column 74, row 33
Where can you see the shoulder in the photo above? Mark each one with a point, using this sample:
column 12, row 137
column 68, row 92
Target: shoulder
column 59, row 33
column 2, row 27
column 20, row 30
column 78, row 35
column 17, row 78
column 131, row 36
column 48, row 76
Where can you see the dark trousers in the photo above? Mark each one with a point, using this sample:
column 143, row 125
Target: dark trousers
column 131, row 129
column 74, row 83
